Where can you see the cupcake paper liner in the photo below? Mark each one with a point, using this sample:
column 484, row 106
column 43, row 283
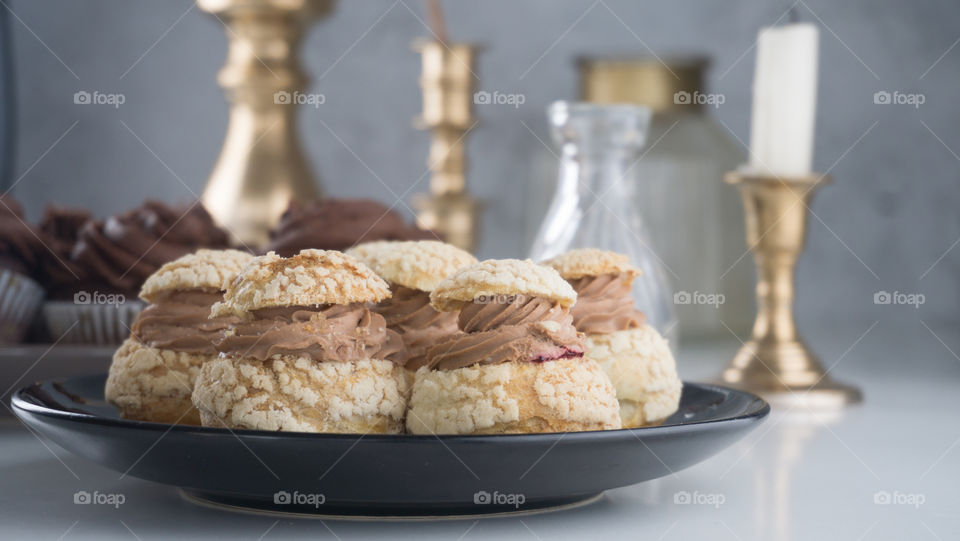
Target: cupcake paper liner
column 19, row 299
column 98, row 323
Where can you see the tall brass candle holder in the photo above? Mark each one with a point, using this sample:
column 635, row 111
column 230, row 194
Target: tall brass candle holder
column 447, row 83
column 775, row 362
column 261, row 166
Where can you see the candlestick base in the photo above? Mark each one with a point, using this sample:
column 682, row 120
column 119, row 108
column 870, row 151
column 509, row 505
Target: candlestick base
column 787, row 374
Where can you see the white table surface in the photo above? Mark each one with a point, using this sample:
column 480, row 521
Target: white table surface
column 795, row 477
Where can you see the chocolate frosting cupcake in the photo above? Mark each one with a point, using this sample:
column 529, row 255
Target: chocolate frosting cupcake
column 20, row 245
column 338, row 224
column 20, row 251
column 60, row 229
column 119, row 253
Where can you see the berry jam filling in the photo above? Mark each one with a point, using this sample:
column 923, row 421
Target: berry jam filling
column 559, row 353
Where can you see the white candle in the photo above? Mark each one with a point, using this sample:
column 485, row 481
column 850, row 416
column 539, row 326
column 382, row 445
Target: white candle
column 784, row 100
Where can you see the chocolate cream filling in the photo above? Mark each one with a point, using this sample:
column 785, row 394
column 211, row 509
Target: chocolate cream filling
column 604, row 304
column 178, row 321
column 408, row 312
column 334, row 332
column 524, row 329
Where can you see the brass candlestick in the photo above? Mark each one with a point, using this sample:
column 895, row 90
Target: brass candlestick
column 447, row 82
column 775, row 362
column 261, row 166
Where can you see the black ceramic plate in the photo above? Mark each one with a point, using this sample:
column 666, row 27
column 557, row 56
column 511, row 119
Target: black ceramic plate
column 384, row 475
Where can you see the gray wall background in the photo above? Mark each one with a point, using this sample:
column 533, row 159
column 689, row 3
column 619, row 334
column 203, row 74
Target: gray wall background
column 888, row 223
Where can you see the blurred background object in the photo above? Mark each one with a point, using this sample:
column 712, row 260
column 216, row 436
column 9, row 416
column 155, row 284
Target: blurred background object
column 339, row 224
column 261, row 167
column 890, row 217
column 591, row 208
column 447, row 80
column 695, row 222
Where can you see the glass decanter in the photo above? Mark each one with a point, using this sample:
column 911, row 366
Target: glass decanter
column 592, row 207
column 695, row 220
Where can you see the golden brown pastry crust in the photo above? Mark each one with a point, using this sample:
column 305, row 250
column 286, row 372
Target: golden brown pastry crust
column 495, row 277
column 203, row 269
column 591, row 262
column 298, row 394
column 310, row 278
column 415, row 264
column 643, row 371
column 149, row 384
column 556, row 396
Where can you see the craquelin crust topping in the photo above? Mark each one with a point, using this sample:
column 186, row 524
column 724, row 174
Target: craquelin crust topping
column 642, row 370
column 487, row 280
column 152, row 384
column 591, row 262
column 556, row 396
column 653, row 409
column 298, row 394
column 203, row 269
column 414, row 264
column 310, row 278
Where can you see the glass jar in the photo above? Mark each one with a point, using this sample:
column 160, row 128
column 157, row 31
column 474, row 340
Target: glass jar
column 591, row 207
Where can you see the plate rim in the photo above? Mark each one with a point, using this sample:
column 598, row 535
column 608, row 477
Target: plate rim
column 760, row 409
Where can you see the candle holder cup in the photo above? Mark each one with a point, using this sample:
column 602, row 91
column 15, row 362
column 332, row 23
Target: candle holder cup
column 775, row 362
